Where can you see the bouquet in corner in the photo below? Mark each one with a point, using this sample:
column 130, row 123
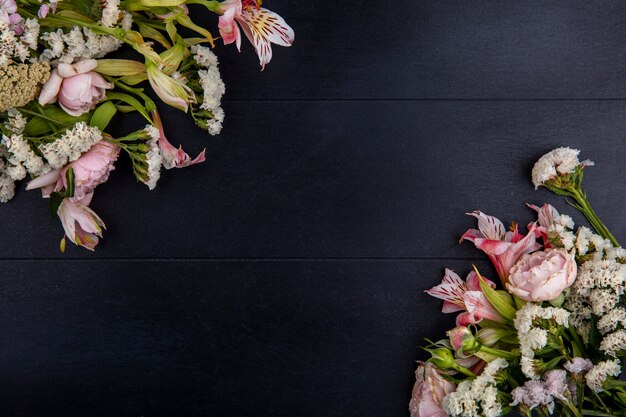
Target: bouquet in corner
column 548, row 337
column 59, row 92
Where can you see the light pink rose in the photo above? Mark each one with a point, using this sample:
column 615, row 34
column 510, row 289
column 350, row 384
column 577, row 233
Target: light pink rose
column 542, row 276
column 90, row 170
column 76, row 86
column 428, row 392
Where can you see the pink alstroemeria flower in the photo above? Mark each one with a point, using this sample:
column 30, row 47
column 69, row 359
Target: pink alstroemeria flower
column 262, row 27
column 503, row 248
column 81, row 224
column 172, row 157
column 465, row 296
column 545, row 217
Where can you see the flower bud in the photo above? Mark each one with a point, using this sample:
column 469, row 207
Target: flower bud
column 463, row 341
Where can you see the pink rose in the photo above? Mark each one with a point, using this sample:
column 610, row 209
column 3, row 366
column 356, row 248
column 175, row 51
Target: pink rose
column 429, row 391
column 76, row 86
column 90, row 170
column 542, row 276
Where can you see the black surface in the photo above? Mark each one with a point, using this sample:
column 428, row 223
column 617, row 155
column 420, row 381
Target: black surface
column 285, row 276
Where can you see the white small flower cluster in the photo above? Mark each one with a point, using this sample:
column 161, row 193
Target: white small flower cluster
column 213, row 87
column 531, row 335
column 22, row 159
column 597, row 291
column 16, row 122
column 560, row 161
column 17, row 46
column 7, row 185
column 478, row 397
column 153, row 157
column 599, row 373
column 110, row 13
column 599, row 284
column 536, row 393
column 80, row 44
column 69, row 147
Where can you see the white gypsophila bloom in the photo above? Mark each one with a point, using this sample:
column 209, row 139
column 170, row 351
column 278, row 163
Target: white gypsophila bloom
column 154, row 158
column 16, row 121
column 529, row 368
column 127, row 21
column 75, row 45
column 565, row 221
column 560, row 161
column 16, row 172
column 535, row 339
column 71, row 145
column 602, row 301
column 600, row 274
column 152, row 132
column 611, row 320
column 600, row 372
column 578, row 365
column 12, row 46
column 110, row 13
column 7, row 188
column 20, row 152
column 478, row 397
column 614, row 253
column 614, row 344
column 31, row 33
column 56, row 45
column 213, row 88
column 204, row 56
column 583, row 237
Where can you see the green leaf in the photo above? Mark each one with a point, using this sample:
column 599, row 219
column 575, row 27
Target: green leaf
column 171, row 30
column 151, row 33
column 501, row 303
column 131, row 101
column 37, row 126
column 103, row 115
column 134, row 79
column 69, row 178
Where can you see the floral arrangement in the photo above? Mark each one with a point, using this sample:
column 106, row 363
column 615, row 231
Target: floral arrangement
column 58, row 92
column 552, row 339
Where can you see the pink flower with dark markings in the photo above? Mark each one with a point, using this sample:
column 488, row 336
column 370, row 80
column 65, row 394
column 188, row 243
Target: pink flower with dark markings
column 262, row 27
column 467, row 296
column 172, row 157
column 503, row 248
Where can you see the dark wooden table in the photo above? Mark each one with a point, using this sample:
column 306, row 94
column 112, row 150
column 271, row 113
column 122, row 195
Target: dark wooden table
column 285, row 276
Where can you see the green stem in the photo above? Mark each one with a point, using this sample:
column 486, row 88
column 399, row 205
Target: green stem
column 497, row 352
column 586, row 209
column 597, row 413
column 32, row 113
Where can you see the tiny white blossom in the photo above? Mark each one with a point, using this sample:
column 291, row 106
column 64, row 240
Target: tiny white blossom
column 560, row 161
column 600, row 372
